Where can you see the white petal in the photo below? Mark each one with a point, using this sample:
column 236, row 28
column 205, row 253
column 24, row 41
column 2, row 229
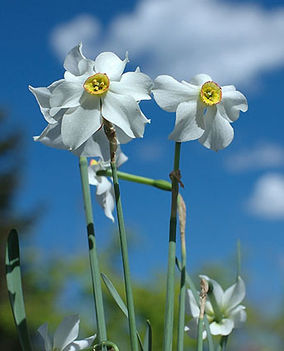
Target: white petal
column 228, row 88
column 224, row 327
column 43, row 330
column 66, row 332
column 186, row 127
column 218, row 131
column 238, row 315
column 51, row 136
column 137, row 85
column 73, row 59
column 112, row 65
column 79, row 124
column 66, row 95
column 103, row 186
column 106, row 200
column 121, row 158
column 217, row 289
column 42, row 96
column 209, row 310
column 234, row 295
column 92, row 175
column 200, row 79
column 191, row 305
column 124, row 112
column 192, row 329
column 96, row 146
column 122, row 138
column 169, row 93
column 80, row 344
column 232, row 103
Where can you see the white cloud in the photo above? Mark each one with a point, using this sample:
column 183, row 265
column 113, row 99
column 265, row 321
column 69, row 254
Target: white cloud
column 260, row 156
column 83, row 28
column 232, row 42
column 267, row 199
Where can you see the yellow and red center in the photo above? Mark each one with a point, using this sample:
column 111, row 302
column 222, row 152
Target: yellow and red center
column 93, row 162
column 97, row 84
column 210, row 93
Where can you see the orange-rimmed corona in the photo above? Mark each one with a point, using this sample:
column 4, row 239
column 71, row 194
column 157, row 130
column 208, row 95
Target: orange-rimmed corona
column 211, row 93
column 97, row 84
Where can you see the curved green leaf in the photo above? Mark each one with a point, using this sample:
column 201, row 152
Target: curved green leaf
column 112, row 290
column 14, row 284
column 147, row 346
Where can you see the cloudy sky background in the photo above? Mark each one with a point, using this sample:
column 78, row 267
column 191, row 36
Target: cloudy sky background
column 235, row 193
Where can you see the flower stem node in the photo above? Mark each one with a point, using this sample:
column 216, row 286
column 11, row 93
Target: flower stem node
column 211, row 93
column 97, row 84
column 177, row 175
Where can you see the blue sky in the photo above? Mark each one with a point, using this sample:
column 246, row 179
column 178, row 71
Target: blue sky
column 235, row 193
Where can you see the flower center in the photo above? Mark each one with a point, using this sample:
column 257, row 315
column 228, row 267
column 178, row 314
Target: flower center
column 211, row 93
column 97, row 84
column 93, row 162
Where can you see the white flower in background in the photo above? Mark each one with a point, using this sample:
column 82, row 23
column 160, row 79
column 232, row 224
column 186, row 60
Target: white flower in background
column 91, row 90
column 230, row 313
column 105, row 192
column 204, row 110
column 64, row 338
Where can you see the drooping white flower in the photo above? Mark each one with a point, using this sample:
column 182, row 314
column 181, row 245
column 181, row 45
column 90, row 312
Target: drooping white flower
column 232, row 314
column 91, row 90
column 204, row 110
column 105, row 192
column 64, row 338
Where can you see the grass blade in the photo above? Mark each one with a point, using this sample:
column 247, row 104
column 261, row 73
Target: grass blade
column 120, row 303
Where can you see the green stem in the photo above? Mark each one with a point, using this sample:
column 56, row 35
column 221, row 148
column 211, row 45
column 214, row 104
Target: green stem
column 158, row 183
column 124, row 252
column 169, row 314
column 200, row 335
column 223, row 343
column 94, row 263
column 182, row 219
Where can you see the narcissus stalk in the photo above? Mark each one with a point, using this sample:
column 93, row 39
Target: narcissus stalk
column 169, row 313
column 111, row 135
column 94, row 262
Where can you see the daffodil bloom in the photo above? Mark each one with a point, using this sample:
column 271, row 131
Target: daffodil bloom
column 204, row 110
column 64, row 338
column 105, row 192
column 92, row 91
column 224, row 313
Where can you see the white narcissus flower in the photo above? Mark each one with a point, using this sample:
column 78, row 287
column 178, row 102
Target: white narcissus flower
column 105, row 192
column 232, row 314
column 91, row 90
column 204, row 110
column 64, row 338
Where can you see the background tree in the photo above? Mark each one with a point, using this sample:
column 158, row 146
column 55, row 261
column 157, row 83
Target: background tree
column 39, row 294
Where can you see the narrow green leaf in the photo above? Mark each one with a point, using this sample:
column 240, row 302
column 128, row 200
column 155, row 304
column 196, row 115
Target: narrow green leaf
column 192, row 287
column 147, row 346
column 120, row 303
column 115, row 294
column 14, row 284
